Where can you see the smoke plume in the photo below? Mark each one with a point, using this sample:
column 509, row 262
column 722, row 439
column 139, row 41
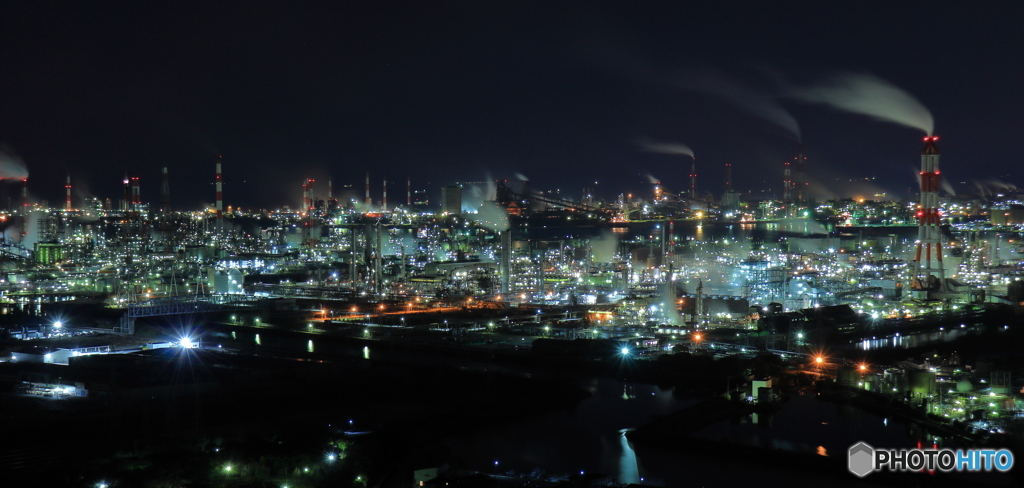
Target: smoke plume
column 603, row 249
column 492, row 216
column 522, row 177
column 758, row 104
column 665, row 147
column 948, row 187
column 651, row 179
column 11, row 166
column 869, row 95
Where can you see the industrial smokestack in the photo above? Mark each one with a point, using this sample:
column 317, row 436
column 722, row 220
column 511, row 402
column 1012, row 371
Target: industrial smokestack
column 220, row 196
column 24, row 207
column 126, row 202
column 330, row 189
column 368, row 202
column 165, row 192
column 136, row 193
column 787, row 182
column 801, row 177
column 928, row 231
column 693, row 179
column 728, row 177
column 305, row 194
column 408, row 191
column 384, row 202
column 67, row 187
column 506, row 261
column 311, row 202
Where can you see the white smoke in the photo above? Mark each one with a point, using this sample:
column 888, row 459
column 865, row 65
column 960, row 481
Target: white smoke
column 753, row 102
column 491, row 190
column 603, row 249
column 11, row 166
column 492, row 216
column 651, row 179
column 869, row 95
column 665, row 147
column 522, row 177
column 948, row 187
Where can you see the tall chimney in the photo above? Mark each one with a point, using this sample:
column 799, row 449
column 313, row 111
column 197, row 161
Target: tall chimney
column 384, row 203
column 67, row 202
column 220, row 196
column 408, row 191
column 305, row 194
column 126, row 203
column 929, row 235
column 787, row 183
column 368, row 202
column 801, row 177
column 24, row 207
column 136, row 194
column 693, row 179
column 165, row 192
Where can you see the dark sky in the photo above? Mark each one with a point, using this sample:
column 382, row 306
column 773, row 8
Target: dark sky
column 465, row 91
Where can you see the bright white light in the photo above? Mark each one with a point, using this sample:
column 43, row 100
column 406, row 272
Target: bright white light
column 58, row 324
column 188, row 344
column 624, row 350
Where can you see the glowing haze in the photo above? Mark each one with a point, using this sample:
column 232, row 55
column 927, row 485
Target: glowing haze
column 869, row 95
column 11, row 166
column 492, row 216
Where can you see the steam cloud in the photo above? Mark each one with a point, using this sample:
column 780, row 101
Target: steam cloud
column 755, row 103
column 492, row 216
column 522, row 177
column 869, row 95
column 603, row 249
column 651, row 179
column 11, row 166
column 948, row 187
column 665, row 147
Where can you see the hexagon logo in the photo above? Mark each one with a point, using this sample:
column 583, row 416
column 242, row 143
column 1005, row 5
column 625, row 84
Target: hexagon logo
column 861, row 460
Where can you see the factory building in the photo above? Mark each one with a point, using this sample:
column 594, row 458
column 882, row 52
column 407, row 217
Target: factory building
column 451, row 200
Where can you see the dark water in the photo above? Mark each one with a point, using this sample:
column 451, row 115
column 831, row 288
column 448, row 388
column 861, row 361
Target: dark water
column 589, row 438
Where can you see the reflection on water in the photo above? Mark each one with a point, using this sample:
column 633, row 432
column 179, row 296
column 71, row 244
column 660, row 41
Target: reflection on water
column 590, row 437
column 629, row 472
column 806, row 424
column 907, row 341
column 587, row 437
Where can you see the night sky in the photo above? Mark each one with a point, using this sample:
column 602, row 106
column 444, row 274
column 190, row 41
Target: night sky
column 469, row 91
